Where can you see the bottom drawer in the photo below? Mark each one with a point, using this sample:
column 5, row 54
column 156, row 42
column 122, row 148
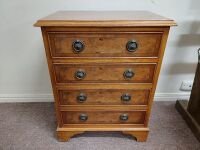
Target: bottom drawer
column 103, row 117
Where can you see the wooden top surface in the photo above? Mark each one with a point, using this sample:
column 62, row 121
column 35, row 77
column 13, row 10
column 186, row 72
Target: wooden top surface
column 104, row 18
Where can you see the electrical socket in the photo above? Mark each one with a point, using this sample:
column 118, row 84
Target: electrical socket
column 186, row 85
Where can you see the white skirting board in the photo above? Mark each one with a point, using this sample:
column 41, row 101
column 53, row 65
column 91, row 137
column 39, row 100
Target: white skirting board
column 12, row 98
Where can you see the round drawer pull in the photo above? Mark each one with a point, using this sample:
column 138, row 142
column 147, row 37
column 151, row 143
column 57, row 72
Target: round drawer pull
column 126, row 97
column 128, row 74
column 83, row 117
column 80, row 74
column 123, row 117
column 131, row 46
column 78, row 46
column 81, row 98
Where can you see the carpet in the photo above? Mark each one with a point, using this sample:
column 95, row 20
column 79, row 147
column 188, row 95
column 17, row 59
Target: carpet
column 31, row 126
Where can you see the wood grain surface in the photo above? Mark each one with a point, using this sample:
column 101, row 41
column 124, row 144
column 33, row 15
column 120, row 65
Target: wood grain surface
column 104, row 18
column 106, row 117
column 104, row 97
column 105, row 44
column 143, row 73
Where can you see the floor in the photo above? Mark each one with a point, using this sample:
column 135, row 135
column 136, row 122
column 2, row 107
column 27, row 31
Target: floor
column 31, row 126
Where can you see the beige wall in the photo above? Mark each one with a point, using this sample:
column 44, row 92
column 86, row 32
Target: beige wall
column 23, row 69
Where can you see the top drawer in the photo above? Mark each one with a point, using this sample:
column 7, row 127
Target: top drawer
column 131, row 44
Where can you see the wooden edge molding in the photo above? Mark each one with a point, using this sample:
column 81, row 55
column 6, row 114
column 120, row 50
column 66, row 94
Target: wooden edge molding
column 100, row 86
column 64, row 134
column 141, row 136
column 121, row 23
column 60, row 60
column 102, row 127
column 103, row 108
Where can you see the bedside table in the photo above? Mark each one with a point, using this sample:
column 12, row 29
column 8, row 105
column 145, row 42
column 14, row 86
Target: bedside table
column 104, row 68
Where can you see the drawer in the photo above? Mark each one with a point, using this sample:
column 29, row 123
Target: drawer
column 85, row 73
column 101, row 117
column 131, row 44
column 104, row 97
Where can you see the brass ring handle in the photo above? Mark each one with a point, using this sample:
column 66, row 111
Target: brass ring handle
column 123, row 117
column 126, row 97
column 131, row 46
column 83, row 117
column 128, row 74
column 80, row 74
column 81, row 97
column 78, row 46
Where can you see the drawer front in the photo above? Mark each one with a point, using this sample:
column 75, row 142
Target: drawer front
column 99, row 117
column 104, row 97
column 134, row 44
column 134, row 73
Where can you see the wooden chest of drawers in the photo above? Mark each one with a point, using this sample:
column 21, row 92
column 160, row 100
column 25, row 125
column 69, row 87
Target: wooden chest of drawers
column 104, row 68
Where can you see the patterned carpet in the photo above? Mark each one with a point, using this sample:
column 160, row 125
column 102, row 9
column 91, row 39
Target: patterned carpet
column 31, row 126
